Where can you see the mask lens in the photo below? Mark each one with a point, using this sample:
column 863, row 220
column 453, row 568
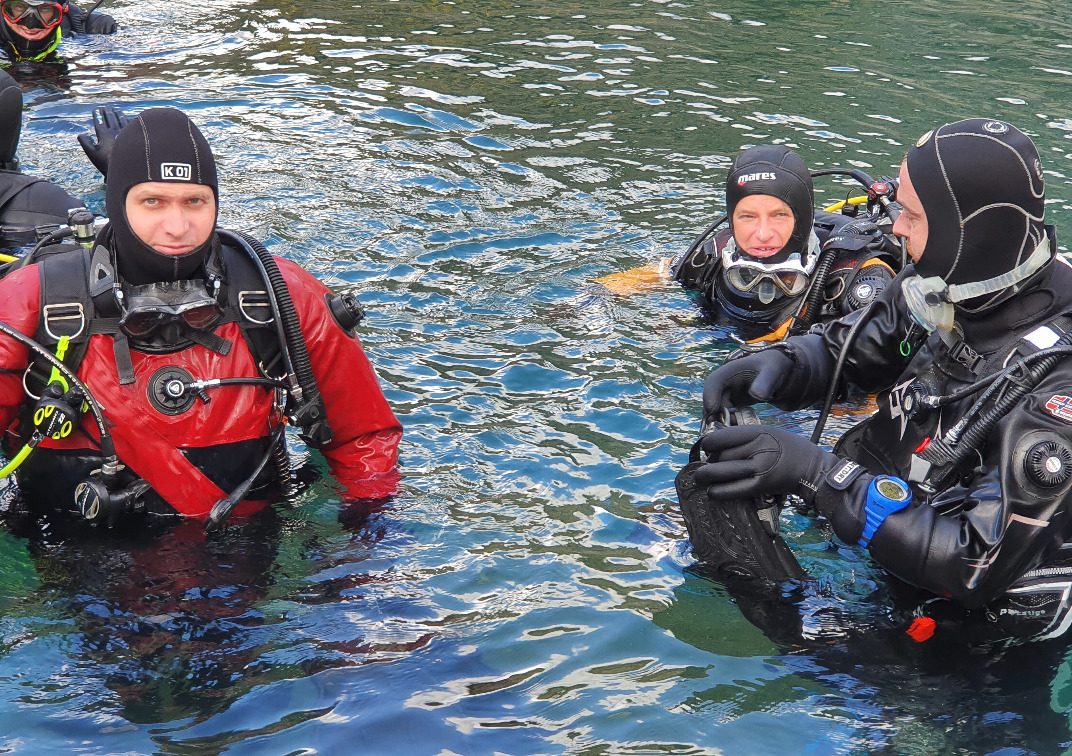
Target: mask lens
column 791, row 282
column 49, row 13
column 14, row 10
column 202, row 318
column 139, row 324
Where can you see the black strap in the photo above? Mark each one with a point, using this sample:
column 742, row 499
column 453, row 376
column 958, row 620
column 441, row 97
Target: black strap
column 123, row 363
column 65, row 309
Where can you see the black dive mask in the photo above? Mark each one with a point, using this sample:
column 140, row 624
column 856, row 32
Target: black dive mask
column 151, row 307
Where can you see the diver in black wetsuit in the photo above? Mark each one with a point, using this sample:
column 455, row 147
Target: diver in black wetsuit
column 768, row 271
column 31, row 30
column 27, row 203
column 960, row 484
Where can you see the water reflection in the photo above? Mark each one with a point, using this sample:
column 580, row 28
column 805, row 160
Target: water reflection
column 468, row 171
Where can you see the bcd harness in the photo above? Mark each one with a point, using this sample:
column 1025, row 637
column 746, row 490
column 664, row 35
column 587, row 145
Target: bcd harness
column 77, row 303
column 999, row 381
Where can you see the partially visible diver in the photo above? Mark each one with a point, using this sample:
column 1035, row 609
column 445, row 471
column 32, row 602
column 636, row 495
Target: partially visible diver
column 779, row 265
column 959, row 485
column 29, row 206
column 31, row 30
column 152, row 369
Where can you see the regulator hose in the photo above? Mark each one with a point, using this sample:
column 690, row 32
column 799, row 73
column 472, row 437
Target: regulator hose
column 308, row 413
column 954, row 448
column 955, row 396
column 222, row 509
column 812, row 303
column 107, row 446
column 843, row 354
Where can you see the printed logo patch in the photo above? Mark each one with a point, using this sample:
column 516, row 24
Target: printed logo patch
column 742, row 180
column 1060, row 406
column 923, row 139
column 176, row 171
column 995, row 127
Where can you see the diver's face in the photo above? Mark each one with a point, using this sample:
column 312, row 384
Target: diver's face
column 32, row 19
column 762, row 225
column 911, row 224
column 172, row 218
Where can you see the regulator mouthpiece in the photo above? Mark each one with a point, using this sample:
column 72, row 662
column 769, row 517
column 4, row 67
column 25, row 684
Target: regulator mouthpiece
column 930, row 300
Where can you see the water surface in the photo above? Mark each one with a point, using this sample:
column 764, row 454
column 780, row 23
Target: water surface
column 468, row 168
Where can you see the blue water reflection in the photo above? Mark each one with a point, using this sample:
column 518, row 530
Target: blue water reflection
column 468, row 170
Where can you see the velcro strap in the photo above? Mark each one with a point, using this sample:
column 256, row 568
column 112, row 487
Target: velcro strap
column 217, row 344
column 841, row 475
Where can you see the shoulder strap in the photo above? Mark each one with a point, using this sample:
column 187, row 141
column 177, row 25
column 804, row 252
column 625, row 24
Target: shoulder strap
column 66, row 310
column 249, row 305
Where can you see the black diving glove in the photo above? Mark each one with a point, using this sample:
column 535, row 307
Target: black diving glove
column 749, row 461
column 746, row 380
column 107, row 123
column 855, row 236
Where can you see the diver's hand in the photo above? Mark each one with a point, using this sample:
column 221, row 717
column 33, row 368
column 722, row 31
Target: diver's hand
column 107, row 123
column 749, row 461
column 855, row 236
column 746, row 380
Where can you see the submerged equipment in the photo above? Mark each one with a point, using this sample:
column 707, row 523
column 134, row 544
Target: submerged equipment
column 735, row 539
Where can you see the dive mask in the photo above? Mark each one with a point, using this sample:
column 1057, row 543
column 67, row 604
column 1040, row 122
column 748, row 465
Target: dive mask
column 47, row 15
column 790, row 277
column 930, row 300
column 152, row 306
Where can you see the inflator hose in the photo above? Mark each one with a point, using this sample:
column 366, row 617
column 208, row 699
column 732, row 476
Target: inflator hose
column 977, row 432
column 812, row 304
column 107, row 447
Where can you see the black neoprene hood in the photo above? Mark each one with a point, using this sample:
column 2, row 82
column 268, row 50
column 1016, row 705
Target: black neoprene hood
column 778, row 172
column 981, row 186
column 162, row 145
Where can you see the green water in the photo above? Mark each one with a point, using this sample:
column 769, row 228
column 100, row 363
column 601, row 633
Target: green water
column 468, row 169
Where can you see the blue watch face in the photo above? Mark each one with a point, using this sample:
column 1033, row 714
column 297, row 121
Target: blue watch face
column 892, row 489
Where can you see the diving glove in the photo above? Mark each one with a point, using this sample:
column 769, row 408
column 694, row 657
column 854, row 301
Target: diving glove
column 107, row 123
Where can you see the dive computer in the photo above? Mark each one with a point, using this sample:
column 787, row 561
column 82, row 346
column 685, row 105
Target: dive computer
column 886, row 494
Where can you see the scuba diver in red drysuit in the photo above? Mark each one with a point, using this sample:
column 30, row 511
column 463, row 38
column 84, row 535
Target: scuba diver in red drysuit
column 192, row 347
column 959, row 485
column 779, row 266
column 31, row 30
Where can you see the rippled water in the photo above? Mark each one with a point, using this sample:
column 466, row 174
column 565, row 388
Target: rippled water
column 469, row 168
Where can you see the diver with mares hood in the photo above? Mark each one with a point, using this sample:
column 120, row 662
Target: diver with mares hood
column 959, row 485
